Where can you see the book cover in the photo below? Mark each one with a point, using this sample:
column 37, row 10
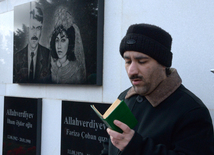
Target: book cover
column 117, row 111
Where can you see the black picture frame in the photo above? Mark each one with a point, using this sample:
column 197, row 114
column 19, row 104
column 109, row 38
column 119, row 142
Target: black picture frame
column 82, row 131
column 88, row 16
column 22, row 126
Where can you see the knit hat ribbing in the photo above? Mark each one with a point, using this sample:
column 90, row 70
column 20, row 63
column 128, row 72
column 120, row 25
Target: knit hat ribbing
column 150, row 40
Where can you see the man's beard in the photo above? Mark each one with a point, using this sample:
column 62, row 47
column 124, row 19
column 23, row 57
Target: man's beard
column 140, row 89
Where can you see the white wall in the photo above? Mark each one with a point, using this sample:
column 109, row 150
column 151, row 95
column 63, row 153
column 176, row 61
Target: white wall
column 190, row 23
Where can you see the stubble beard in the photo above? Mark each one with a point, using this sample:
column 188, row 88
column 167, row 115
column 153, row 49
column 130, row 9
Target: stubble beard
column 142, row 90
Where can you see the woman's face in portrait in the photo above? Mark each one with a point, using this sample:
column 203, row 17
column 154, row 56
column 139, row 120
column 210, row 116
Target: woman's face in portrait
column 61, row 44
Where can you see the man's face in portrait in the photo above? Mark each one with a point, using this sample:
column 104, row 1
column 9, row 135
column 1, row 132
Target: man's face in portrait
column 34, row 33
column 34, row 30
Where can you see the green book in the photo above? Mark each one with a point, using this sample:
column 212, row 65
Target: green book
column 117, row 111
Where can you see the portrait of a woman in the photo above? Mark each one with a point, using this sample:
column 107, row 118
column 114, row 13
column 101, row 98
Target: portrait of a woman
column 68, row 59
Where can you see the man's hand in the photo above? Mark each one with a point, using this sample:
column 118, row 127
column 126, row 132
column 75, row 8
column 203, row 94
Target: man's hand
column 121, row 140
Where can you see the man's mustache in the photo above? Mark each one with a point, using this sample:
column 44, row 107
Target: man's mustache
column 135, row 77
column 34, row 38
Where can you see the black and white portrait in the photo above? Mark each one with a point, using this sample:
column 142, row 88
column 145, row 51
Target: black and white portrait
column 56, row 42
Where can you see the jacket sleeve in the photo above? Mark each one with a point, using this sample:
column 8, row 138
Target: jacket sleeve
column 105, row 148
column 192, row 135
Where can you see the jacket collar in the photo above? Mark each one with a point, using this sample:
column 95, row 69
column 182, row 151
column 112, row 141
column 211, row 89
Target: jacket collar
column 164, row 90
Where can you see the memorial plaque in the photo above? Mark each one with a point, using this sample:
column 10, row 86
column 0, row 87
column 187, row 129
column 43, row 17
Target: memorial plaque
column 36, row 27
column 22, row 126
column 83, row 133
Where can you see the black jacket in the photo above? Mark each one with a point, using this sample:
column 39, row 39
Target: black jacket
column 179, row 125
column 42, row 71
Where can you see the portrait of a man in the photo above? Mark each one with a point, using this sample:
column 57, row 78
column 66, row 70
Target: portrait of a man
column 32, row 63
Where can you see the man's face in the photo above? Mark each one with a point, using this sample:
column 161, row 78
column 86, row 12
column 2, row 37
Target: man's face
column 144, row 72
column 34, row 32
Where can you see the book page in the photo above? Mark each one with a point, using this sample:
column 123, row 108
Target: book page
column 95, row 109
column 111, row 108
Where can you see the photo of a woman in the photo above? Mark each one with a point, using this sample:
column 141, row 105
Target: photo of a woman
column 68, row 59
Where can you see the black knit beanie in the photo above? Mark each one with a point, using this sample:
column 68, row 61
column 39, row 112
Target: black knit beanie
column 150, row 40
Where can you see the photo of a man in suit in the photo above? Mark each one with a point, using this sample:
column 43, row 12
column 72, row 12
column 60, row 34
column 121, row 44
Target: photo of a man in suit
column 32, row 63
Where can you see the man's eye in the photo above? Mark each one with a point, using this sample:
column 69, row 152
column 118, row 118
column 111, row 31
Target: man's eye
column 142, row 62
column 38, row 28
column 128, row 62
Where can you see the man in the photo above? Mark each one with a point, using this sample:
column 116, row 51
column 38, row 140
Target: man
column 171, row 119
column 32, row 64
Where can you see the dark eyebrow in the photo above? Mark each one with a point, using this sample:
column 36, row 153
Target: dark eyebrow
column 141, row 57
column 62, row 36
column 126, row 57
column 137, row 57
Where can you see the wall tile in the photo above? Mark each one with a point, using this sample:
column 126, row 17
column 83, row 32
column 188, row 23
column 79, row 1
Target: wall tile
column 111, row 37
column 51, row 131
column 2, row 89
column 212, row 114
column 6, row 47
column 3, row 6
column 12, row 3
column 1, row 119
column 26, row 90
column 75, row 93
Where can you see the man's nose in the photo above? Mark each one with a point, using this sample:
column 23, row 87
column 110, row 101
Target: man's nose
column 34, row 30
column 133, row 69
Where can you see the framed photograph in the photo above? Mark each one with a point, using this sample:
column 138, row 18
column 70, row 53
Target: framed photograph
column 82, row 132
column 59, row 42
column 22, row 126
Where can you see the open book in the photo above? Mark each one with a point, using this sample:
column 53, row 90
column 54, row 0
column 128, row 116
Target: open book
column 117, row 111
